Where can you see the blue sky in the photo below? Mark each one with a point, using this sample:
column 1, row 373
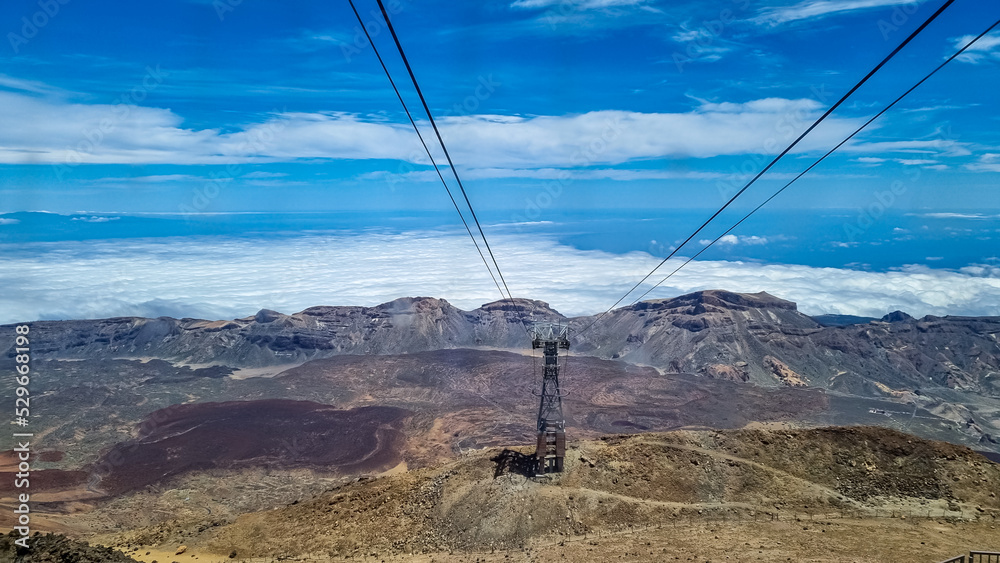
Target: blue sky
column 569, row 121
column 285, row 105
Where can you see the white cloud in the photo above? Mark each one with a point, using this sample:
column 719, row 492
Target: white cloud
column 942, row 147
column 551, row 174
column 702, row 44
column 989, row 162
column 575, row 4
column 261, row 174
column 733, row 240
column 33, row 86
column 221, row 278
column 45, row 131
column 951, row 215
column 566, row 175
column 155, row 179
column 812, row 9
column 987, row 48
column 598, row 137
column 583, row 17
column 310, row 41
column 9, row 221
column 927, row 163
column 96, row 219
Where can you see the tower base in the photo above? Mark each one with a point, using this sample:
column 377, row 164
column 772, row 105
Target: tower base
column 550, row 451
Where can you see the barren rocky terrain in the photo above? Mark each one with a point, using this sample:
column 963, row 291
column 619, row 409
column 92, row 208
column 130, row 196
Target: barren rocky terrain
column 57, row 548
column 948, row 365
column 391, row 431
column 716, row 332
column 766, row 487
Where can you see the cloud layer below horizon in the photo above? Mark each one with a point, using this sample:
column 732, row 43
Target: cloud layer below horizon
column 223, row 277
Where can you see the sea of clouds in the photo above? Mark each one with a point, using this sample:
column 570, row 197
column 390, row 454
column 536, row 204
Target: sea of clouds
column 231, row 277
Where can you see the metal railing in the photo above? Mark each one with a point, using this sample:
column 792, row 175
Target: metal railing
column 976, row 557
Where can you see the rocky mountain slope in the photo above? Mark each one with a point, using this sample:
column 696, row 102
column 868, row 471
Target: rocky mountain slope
column 478, row 505
column 763, row 339
column 755, row 338
column 171, row 417
column 949, row 366
column 128, row 425
column 269, row 338
column 52, row 548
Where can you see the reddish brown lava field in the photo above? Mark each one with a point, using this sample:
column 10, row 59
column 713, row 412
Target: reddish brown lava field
column 278, row 433
column 45, row 480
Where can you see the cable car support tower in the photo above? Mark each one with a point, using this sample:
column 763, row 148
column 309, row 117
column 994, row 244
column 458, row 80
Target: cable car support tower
column 551, row 448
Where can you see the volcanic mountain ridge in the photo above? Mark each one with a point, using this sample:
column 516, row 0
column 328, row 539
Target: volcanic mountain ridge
column 754, row 338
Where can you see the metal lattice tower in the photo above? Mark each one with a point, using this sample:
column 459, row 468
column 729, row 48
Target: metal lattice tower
column 551, row 450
